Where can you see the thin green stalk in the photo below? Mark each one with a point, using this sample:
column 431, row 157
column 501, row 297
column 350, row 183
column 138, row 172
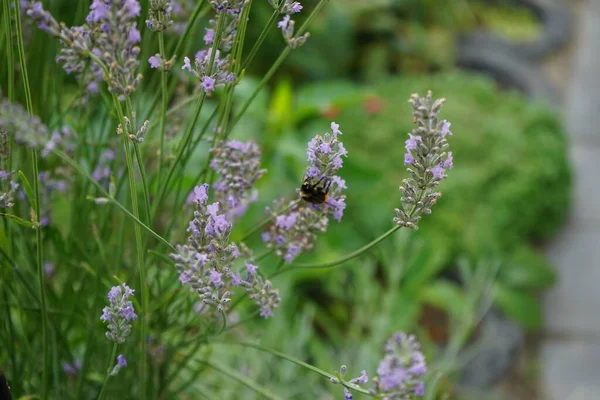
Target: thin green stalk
column 342, row 260
column 11, row 98
column 108, row 370
column 163, row 110
column 140, row 161
column 180, row 150
column 261, row 39
column 9, row 51
column 36, row 206
column 275, row 66
column 190, row 128
column 139, row 253
column 291, row 359
column 227, row 101
column 141, row 166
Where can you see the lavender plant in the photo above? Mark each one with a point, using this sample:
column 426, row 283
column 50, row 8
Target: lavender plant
column 217, row 266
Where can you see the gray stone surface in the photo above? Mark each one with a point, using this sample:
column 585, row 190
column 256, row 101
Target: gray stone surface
column 583, row 95
column 571, row 370
column 570, row 367
column 586, row 165
column 572, row 307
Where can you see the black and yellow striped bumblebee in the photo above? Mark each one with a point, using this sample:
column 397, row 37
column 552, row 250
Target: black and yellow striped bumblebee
column 315, row 192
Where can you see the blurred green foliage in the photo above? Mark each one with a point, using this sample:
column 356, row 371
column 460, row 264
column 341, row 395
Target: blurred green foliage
column 510, row 187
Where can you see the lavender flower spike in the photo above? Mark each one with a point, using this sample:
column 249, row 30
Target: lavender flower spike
column 205, row 263
column 296, row 230
column 261, row 292
column 426, row 159
column 238, row 166
column 119, row 313
column 401, row 371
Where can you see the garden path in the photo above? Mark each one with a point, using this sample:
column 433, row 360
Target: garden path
column 570, row 352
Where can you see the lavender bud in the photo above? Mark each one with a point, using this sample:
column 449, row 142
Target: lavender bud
column 119, row 313
column 159, row 15
column 287, row 26
column 287, row 7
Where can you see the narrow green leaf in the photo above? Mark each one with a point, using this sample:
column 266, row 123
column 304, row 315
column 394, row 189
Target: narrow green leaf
column 27, row 187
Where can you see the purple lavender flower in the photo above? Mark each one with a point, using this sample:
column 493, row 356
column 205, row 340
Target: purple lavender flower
column 209, row 36
column 238, row 166
column 363, row 378
column 206, row 262
column 102, row 171
column 109, row 37
column 325, row 155
column 119, row 313
column 154, row 61
column 402, row 368
column 159, row 15
column 261, row 292
column 295, row 230
column 209, row 75
column 121, row 363
column 445, row 129
column 426, row 159
column 72, row 369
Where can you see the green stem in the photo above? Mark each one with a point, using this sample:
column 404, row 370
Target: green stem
column 139, row 252
column 190, row 128
column 36, row 205
column 163, row 110
column 180, row 150
column 108, row 370
column 138, row 157
column 342, row 260
column 295, row 361
column 261, row 39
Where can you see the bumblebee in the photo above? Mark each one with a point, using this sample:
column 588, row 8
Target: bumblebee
column 317, row 192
